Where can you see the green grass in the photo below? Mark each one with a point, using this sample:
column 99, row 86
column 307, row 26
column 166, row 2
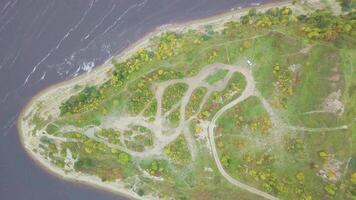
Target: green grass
column 178, row 151
column 220, row 74
column 195, row 101
column 314, row 87
column 140, row 138
column 235, row 86
column 172, row 95
column 249, row 114
column 281, row 162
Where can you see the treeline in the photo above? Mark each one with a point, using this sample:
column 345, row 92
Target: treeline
column 131, row 65
column 164, row 47
column 322, row 24
column 87, row 98
column 272, row 16
column 347, row 5
column 317, row 25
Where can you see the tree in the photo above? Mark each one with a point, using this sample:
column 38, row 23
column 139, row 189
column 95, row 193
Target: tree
column 231, row 29
column 321, row 19
column 140, row 192
column 347, row 5
column 245, row 19
column 353, row 178
column 123, row 158
column 83, row 163
column 252, row 12
column 264, row 22
column 330, row 189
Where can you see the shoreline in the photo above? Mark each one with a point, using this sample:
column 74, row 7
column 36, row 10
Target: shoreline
column 115, row 187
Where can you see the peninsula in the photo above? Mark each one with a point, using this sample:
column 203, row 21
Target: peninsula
column 256, row 103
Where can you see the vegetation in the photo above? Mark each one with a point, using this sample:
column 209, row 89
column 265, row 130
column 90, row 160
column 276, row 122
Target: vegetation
column 87, row 99
column 148, row 123
column 178, row 151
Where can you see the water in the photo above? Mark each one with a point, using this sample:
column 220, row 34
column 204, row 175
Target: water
column 46, row 41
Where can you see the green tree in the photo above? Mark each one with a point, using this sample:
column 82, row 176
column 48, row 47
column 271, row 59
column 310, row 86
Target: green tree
column 83, row 163
column 245, row 19
column 123, row 158
column 252, row 12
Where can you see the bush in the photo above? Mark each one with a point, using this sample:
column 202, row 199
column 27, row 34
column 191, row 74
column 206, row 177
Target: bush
column 83, row 164
column 80, row 101
column 124, row 158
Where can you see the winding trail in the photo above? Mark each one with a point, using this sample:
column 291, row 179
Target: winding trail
column 160, row 125
column 248, row 92
column 278, row 124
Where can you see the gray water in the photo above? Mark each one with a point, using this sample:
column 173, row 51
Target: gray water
column 46, row 41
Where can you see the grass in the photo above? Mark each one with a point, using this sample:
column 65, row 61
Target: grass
column 172, row 95
column 249, row 114
column 220, row 74
column 285, row 164
column 217, row 99
column 314, row 87
column 139, row 138
column 178, row 151
column 100, row 160
column 195, row 101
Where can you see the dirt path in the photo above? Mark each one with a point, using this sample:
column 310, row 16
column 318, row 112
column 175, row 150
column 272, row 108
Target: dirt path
column 249, row 91
column 278, row 124
column 160, row 125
